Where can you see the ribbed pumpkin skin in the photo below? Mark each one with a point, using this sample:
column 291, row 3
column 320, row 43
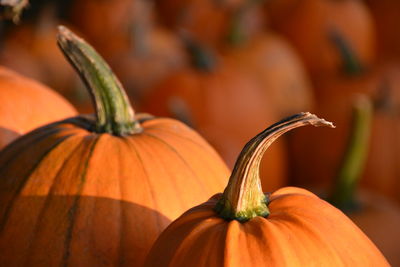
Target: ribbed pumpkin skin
column 26, row 105
column 87, row 199
column 302, row 230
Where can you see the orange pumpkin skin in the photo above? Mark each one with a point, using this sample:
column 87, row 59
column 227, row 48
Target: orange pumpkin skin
column 309, row 25
column 276, row 66
column 301, row 230
column 27, row 104
column 222, row 101
column 66, row 206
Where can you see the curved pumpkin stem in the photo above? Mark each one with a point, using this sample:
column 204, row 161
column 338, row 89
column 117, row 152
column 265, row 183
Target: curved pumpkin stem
column 113, row 111
column 353, row 164
column 351, row 63
column 243, row 198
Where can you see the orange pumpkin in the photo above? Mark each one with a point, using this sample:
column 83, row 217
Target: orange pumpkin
column 218, row 98
column 27, row 105
column 97, row 192
column 272, row 61
column 315, row 26
column 245, row 227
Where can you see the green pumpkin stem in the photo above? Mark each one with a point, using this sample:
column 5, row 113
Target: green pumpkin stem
column 351, row 63
column 243, row 198
column 354, row 160
column 12, row 9
column 114, row 113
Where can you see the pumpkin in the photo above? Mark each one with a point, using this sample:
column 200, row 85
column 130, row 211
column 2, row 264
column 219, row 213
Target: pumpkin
column 273, row 62
column 315, row 26
column 97, row 192
column 216, row 98
column 386, row 14
column 334, row 100
column 245, row 227
column 27, row 105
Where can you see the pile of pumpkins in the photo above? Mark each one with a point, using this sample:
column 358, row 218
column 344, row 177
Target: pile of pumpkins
column 120, row 188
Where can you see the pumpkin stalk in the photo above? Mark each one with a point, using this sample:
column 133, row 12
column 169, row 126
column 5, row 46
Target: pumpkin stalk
column 353, row 163
column 243, row 198
column 114, row 113
column 351, row 63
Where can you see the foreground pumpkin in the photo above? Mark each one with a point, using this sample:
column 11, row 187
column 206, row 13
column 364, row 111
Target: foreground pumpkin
column 26, row 105
column 97, row 192
column 245, row 227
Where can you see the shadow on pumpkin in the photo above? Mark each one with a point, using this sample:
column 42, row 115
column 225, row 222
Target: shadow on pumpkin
column 7, row 136
column 77, row 231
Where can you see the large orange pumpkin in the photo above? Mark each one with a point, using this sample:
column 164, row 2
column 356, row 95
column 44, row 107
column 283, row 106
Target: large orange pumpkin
column 27, row 104
column 245, row 227
column 315, row 26
column 97, row 192
column 217, row 99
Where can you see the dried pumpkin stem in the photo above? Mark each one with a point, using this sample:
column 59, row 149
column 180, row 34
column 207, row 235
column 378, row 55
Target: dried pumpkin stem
column 355, row 157
column 114, row 113
column 243, row 198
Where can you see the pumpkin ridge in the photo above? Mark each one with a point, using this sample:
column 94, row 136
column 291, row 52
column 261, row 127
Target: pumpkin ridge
column 74, row 208
column 180, row 157
column 132, row 148
column 3, row 219
column 166, row 130
column 49, row 195
column 201, row 227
